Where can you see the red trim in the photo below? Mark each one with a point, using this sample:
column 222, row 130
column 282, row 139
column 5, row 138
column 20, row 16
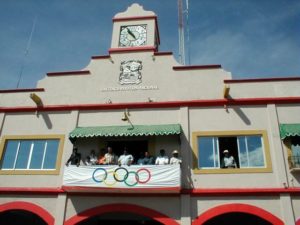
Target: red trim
column 117, row 19
column 146, row 105
column 239, row 191
column 30, row 190
column 120, row 207
column 298, row 222
column 231, row 208
column 122, row 191
column 150, row 191
column 101, row 57
column 132, row 49
column 68, row 73
column 27, row 206
column 22, row 90
column 197, row 67
column 262, row 80
column 163, row 53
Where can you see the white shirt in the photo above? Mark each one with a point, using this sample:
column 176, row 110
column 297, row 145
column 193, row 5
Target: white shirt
column 162, row 160
column 125, row 159
column 229, row 161
column 175, row 161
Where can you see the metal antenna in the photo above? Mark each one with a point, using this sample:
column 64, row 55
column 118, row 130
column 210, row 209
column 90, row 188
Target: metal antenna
column 181, row 33
column 188, row 31
column 26, row 51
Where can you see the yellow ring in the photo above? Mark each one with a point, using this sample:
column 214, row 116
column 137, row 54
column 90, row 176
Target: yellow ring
column 114, row 174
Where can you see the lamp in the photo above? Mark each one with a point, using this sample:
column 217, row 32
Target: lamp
column 126, row 115
column 37, row 100
column 226, row 91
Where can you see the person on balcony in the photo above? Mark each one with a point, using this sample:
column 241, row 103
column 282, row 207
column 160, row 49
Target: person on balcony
column 125, row 159
column 87, row 161
column 162, row 159
column 110, row 157
column 101, row 157
column 175, row 160
column 93, row 157
column 228, row 160
column 74, row 158
column 145, row 159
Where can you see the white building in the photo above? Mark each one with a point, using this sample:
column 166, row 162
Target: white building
column 140, row 98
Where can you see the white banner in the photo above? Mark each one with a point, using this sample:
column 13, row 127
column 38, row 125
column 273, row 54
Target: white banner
column 135, row 176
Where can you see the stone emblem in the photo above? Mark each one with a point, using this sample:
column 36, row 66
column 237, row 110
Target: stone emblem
column 130, row 72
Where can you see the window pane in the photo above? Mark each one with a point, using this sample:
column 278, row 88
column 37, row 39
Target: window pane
column 37, row 155
column 206, row 152
column 10, row 154
column 255, row 151
column 243, row 156
column 51, row 154
column 23, row 154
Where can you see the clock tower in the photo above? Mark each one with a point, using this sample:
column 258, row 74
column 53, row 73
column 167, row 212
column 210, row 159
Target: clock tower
column 135, row 29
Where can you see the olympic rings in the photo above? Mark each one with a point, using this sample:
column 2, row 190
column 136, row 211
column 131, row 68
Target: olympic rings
column 138, row 177
column 141, row 176
column 99, row 181
column 114, row 182
column 125, row 177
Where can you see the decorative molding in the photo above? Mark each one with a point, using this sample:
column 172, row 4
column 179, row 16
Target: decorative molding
column 69, row 73
column 150, row 192
column 162, row 53
column 22, row 90
column 132, row 49
column 101, row 57
column 30, row 207
column 262, row 80
column 236, row 207
column 166, row 104
column 200, row 67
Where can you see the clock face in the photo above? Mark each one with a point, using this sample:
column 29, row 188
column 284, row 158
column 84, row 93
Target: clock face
column 134, row 35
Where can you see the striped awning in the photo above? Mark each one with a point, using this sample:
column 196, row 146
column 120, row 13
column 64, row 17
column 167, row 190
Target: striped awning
column 288, row 130
column 125, row 131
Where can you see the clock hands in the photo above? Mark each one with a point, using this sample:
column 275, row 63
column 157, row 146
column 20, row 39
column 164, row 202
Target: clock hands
column 130, row 33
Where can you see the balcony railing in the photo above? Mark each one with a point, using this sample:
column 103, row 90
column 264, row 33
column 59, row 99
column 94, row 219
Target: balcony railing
column 113, row 177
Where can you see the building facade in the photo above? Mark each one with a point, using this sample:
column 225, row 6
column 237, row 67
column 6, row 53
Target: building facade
column 142, row 99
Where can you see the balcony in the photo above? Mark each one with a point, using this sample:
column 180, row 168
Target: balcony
column 113, row 178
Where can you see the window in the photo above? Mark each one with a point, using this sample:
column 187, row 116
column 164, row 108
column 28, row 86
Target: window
column 293, row 144
column 249, row 151
column 28, row 154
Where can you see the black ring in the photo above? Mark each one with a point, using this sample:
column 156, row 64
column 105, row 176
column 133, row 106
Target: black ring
column 125, row 177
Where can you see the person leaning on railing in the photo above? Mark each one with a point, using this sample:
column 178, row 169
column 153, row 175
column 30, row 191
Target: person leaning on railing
column 75, row 158
column 162, row 159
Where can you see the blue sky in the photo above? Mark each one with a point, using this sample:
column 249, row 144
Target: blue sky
column 249, row 38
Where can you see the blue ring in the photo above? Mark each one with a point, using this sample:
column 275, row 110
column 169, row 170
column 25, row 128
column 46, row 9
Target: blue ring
column 98, row 181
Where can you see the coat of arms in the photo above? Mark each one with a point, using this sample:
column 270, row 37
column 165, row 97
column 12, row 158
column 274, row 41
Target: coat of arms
column 131, row 72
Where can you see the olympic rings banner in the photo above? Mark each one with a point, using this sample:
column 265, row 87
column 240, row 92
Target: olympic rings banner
column 135, row 176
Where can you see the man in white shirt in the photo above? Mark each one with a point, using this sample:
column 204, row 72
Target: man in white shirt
column 175, row 160
column 162, row 159
column 228, row 160
column 125, row 159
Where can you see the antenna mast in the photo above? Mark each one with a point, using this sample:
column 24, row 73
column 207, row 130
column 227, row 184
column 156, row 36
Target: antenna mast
column 181, row 33
column 26, row 51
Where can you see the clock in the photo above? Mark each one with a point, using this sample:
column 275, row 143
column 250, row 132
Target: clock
column 133, row 35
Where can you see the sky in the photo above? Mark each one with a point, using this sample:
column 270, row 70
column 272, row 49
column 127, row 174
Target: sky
column 249, row 38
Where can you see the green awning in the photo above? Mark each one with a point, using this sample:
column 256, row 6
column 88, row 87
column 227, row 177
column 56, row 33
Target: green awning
column 288, row 130
column 125, row 131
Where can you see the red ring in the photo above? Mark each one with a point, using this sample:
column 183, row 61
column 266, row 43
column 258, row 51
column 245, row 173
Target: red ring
column 138, row 177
